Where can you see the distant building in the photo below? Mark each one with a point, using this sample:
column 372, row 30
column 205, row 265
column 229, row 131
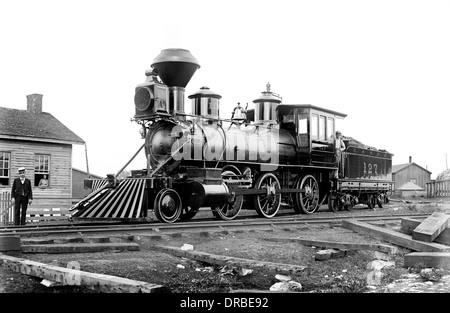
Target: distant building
column 78, row 177
column 402, row 174
column 39, row 142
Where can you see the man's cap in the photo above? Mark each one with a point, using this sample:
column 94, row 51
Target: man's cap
column 21, row 169
column 338, row 132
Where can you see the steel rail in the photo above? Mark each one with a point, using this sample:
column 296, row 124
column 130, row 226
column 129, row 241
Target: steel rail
column 196, row 226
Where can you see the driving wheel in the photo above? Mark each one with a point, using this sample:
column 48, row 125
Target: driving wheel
column 232, row 207
column 308, row 200
column 268, row 203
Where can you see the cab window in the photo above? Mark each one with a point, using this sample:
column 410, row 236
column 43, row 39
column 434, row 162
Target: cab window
column 314, row 126
column 322, row 126
column 330, row 128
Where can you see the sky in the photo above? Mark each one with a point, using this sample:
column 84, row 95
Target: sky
column 384, row 63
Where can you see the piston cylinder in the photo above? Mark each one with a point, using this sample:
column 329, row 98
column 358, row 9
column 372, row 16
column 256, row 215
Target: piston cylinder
column 201, row 195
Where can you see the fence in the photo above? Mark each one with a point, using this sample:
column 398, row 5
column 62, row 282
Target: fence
column 42, row 209
column 438, row 188
column 6, row 208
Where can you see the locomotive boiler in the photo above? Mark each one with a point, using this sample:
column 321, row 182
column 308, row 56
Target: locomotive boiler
column 276, row 155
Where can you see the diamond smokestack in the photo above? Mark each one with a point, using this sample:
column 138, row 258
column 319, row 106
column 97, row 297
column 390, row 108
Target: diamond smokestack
column 175, row 67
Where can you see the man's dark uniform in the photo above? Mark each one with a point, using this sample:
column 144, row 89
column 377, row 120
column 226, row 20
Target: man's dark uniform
column 21, row 192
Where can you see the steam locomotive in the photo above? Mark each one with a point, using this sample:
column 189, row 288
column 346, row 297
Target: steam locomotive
column 275, row 155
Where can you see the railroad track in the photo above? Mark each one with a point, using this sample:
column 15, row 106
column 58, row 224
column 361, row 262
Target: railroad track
column 198, row 226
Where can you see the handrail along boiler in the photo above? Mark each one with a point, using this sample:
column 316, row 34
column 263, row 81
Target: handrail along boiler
column 271, row 156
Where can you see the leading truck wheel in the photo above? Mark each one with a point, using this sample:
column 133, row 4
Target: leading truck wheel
column 308, row 200
column 188, row 212
column 231, row 209
column 167, row 205
column 267, row 204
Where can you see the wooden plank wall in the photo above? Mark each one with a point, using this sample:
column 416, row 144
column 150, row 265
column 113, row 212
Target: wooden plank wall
column 59, row 193
column 438, row 188
column 23, row 153
column 413, row 171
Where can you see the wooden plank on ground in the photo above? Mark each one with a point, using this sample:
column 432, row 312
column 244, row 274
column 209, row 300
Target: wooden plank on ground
column 431, row 227
column 10, row 243
column 60, row 240
column 428, row 259
column 79, row 247
column 393, row 237
column 223, row 260
column 409, row 224
column 67, row 276
column 338, row 245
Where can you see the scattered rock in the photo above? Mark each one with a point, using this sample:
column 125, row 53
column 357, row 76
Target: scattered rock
column 430, row 274
column 187, row 247
column 283, row 277
column 244, row 272
column 48, row 283
column 379, row 264
column 381, row 256
column 374, row 278
column 286, row 286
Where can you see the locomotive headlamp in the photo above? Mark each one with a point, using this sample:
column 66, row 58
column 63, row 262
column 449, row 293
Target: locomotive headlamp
column 143, row 98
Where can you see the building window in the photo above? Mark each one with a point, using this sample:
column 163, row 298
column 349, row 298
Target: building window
column 42, row 170
column 5, row 158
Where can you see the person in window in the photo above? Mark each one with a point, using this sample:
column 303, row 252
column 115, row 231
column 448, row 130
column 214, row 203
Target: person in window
column 43, row 183
column 21, row 196
column 339, row 146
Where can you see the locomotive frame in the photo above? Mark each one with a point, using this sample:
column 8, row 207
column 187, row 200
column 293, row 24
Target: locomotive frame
column 275, row 155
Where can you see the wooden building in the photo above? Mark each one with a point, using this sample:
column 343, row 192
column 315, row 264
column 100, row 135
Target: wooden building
column 78, row 177
column 410, row 172
column 39, row 142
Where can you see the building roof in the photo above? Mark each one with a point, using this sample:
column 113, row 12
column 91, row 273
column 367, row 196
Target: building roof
column 399, row 167
column 25, row 125
column 410, row 186
column 87, row 174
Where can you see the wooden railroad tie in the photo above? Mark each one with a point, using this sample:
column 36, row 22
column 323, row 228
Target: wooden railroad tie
column 393, row 237
column 10, row 243
column 431, row 227
column 222, row 260
column 338, row 245
column 83, row 244
column 68, row 276
column 428, row 259
column 409, row 224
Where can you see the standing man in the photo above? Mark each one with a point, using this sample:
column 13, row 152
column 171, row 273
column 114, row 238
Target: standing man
column 22, row 196
column 339, row 146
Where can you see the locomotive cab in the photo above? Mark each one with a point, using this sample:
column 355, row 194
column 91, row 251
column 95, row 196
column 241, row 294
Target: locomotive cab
column 313, row 127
